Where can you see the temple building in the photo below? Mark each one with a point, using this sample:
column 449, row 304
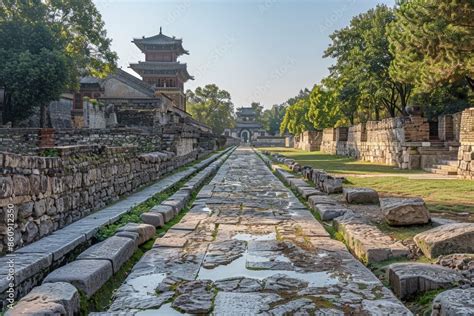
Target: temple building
column 161, row 68
column 247, row 128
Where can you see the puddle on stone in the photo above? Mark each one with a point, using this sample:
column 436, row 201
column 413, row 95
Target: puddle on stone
column 249, row 237
column 146, row 283
column 165, row 309
column 278, row 258
column 237, row 268
column 207, row 209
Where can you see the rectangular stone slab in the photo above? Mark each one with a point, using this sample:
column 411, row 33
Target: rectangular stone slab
column 86, row 275
column 115, row 249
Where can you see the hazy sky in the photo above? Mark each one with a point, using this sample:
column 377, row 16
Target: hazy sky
column 260, row 50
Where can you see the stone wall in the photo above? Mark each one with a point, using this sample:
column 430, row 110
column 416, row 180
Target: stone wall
column 308, row 141
column 466, row 150
column 52, row 192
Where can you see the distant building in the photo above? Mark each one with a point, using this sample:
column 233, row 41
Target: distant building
column 247, row 128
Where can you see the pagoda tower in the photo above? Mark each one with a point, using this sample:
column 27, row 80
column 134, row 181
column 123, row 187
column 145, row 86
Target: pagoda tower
column 161, row 68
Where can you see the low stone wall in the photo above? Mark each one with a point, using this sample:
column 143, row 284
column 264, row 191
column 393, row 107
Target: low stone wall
column 308, row 141
column 269, row 141
column 403, row 142
column 51, row 192
column 466, row 150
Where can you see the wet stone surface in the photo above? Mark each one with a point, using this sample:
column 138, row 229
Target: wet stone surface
column 255, row 250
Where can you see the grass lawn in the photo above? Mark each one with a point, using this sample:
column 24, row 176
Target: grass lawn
column 441, row 195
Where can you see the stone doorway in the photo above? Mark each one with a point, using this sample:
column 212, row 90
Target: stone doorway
column 245, row 136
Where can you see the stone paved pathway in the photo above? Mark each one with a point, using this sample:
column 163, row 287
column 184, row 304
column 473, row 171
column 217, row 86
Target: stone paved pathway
column 248, row 247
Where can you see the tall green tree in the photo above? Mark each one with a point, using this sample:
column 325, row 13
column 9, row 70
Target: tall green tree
column 212, row 106
column 362, row 55
column 51, row 43
column 296, row 118
column 258, row 108
column 433, row 43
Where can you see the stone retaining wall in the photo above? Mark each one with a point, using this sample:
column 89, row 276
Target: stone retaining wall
column 51, row 192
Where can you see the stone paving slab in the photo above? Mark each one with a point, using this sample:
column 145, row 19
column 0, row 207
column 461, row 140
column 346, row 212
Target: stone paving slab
column 261, row 248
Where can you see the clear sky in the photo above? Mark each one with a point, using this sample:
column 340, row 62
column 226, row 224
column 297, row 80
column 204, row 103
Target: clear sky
column 258, row 50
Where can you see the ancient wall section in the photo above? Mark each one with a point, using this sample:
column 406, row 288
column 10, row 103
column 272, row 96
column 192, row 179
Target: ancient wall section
column 52, row 192
column 308, row 141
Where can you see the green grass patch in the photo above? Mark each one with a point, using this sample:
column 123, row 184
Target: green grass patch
column 337, row 164
column 441, row 195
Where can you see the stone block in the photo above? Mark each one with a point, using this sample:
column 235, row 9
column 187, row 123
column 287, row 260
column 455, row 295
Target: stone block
column 58, row 298
column 332, row 185
column 307, row 192
column 329, row 211
column 6, row 187
column 145, row 231
column 167, row 211
column 21, row 185
column 115, row 249
column 407, row 279
column 446, row 239
column 86, row 275
column 404, row 211
column 360, row 196
column 455, row 302
column 320, row 199
column 153, row 218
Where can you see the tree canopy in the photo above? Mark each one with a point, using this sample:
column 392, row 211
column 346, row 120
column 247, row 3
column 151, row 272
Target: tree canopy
column 212, row 106
column 46, row 47
column 433, row 43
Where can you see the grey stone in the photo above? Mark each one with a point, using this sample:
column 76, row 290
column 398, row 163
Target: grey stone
column 58, row 298
column 40, row 208
column 234, row 304
column 115, row 249
column 404, row 211
column 366, row 241
column 455, row 302
column 145, row 231
column 384, row 307
column 407, row 279
column 321, row 199
column 281, row 282
column 155, row 219
column 6, row 187
column 332, row 185
column 446, row 239
column 360, row 196
column 194, row 297
column 329, row 212
column 239, row 284
column 224, row 252
column 86, row 275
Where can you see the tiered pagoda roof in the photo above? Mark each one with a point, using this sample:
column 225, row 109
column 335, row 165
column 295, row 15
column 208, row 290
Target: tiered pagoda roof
column 160, row 42
column 161, row 68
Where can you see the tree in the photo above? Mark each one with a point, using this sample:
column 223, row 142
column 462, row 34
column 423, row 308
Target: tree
column 273, row 117
column 296, row 118
column 211, row 106
column 34, row 69
column 433, row 43
column 56, row 40
column 258, row 111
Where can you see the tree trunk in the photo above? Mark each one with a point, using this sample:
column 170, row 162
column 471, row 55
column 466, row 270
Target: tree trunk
column 43, row 116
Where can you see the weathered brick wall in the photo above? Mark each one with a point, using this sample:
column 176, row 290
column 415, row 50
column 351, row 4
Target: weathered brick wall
column 466, row 150
column 52, row 192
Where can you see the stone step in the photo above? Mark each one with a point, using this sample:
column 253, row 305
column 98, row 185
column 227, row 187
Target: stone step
column 446, row 167
column 453, row 163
